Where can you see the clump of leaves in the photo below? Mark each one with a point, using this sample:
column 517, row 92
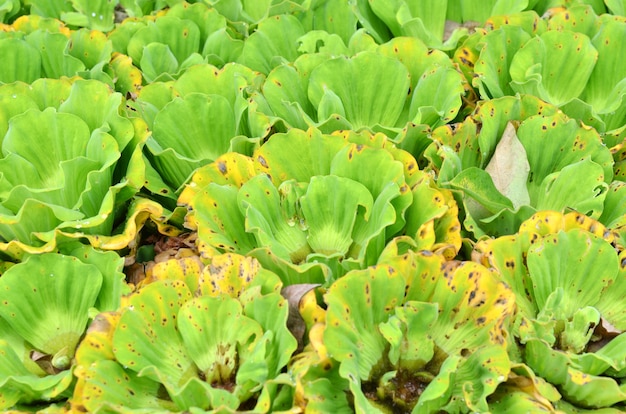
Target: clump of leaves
column 569, row 61
column 332, row 92
column 506, row 170
column 571, row 316
column 410, row 338
column 189, row 357
column 37, row 47
column 202, row 115
column 76, row 179
column 313, row 218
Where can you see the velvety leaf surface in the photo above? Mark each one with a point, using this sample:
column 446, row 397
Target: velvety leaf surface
column 497, row 49
column 153, row 312
column 217, row 350
column 181, row 36
column 26, row 60
column 331, row 221
column 352, row 320
column 275, row 41
column 109, row 386
column 350, row 81
column 49, row 309
column 554, row 66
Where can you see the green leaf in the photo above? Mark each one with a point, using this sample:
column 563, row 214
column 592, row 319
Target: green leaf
column 357, row 303
column 22, row 61
column 182, row 37
column 606, row 87
column 110, row 265
column 158, row 63
column 315, row 155
column 55, row 61
column 189, row 132
column 109, row 386
column 48, row 166
column 223, row 225
column 19, row 385
column 153, row 312
column 578, row 186
column 331, row 207
column 577, row 386
column 271, row 311
column 617, row 7
column 103, row 113
column 497, row 49
column 265, row 212
column 564, row 261
column 351, row 79
column 50, row 8
column 99, row 13
column 478, row 185
column 554, row 66
column 275, row 41
column 422, row 20
column 331, row 16
column 49, row 308
column 411, row 321
column 208, row 19
column 12, row 104
column 543, row 137
column 217, row 350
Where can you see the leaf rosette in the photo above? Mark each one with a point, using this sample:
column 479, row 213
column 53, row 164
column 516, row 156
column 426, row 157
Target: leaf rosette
column 570, row 62
column 67, row 168
column 189, row 356
column 38, row 47
column 313, row 218
column 194, row 120
column 518, row 155
column 569, row 280
column 417, row 333
column 439, row 24
column 185, row 35
column 417, row 88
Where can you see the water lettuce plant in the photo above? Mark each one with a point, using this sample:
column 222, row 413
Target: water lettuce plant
column 414, row 341
column 517, row 155
column 570, row 319
column 569, row 62
column 201, row 363
column 313, row 218
column 37, row 47
column 333, row 93
column 188, row 34
column 77, row 178
column 194, row 120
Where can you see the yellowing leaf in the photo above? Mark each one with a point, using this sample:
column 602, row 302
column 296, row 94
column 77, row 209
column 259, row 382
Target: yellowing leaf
column 509, row 168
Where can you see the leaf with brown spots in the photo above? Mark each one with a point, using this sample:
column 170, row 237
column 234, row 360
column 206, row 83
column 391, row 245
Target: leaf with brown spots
column 107, row 385
column 146, row 338
column 206, row 327
column 357, row 303
column 555, row 66
column 231, row 274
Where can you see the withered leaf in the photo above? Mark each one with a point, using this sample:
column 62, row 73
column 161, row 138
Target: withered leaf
column 509, row 168
column 295, row 323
